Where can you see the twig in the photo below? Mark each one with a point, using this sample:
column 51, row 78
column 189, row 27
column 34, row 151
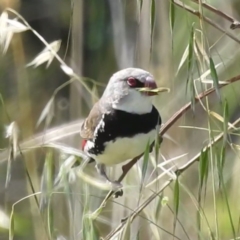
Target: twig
column 206, row 19
column 178, row 172
column 235, row 23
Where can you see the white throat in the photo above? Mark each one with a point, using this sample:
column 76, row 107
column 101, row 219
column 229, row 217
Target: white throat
column 134, row 102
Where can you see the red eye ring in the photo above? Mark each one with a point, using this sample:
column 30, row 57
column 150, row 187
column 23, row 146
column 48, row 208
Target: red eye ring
column 132, row 82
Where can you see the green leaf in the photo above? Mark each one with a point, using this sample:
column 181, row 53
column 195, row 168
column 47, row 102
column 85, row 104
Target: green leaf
column 203, row 167
column 140, row 4
column 226, row 120
column 222, row 157
column 203, row 175
column 176, row 196
column 193, row 93
column 152, row 20
column 176, row 202
column 220, row 154
column 94, row 234
column 50, row 220
column 145, row 161
column 157, row 143
column 225, row 192
column 152, row 15
column 159, row 206
column 138, row 235
column 214, row 77
column 172, row 15
column 49, row 169
column 190, row 83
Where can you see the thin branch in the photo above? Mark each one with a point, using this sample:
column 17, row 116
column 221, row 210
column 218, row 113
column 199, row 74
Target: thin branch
column 235, row 23
column 206, row 19
column 178, row 172
column 126, row 168
column 185, row 108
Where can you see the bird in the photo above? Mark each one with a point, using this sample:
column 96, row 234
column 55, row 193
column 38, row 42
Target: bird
column 122, row 122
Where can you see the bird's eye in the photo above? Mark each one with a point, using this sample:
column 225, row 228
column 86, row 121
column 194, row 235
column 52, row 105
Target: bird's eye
column 132, row 82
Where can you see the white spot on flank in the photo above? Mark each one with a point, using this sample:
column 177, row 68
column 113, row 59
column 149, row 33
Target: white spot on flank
column 89, row 145
column 100, row 126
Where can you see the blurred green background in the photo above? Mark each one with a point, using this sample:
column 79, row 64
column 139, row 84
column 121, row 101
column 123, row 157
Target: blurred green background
column 99, row 37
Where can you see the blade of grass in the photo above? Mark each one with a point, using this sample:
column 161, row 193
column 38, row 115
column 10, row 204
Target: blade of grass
column 214, row 77
column 179, row 222
column 225, row 193
column 226, row 121
column 140, row 2
column 176, row 203
column 172, row 15
column 49, row 182
column 203, row 168
column 152, row 22
column 158, row 207
column 203, row 176
column 221, row 155
column 193, row 93
column 157, row 143
column 190, row 54
column 145, row 162
column 201, row 234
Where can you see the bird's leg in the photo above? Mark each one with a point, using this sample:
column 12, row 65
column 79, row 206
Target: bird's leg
column 101, row 168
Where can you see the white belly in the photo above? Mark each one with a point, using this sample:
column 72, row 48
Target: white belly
column 125, row 148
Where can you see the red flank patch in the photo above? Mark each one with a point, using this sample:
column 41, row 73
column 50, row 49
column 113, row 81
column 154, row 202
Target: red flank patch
column 84, row 143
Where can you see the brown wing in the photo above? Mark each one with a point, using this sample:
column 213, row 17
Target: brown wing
column 89, row 125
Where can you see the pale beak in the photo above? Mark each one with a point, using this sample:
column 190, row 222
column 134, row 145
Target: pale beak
column 151, row 84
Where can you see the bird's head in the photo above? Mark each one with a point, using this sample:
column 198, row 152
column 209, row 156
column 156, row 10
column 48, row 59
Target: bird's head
column 123, row 92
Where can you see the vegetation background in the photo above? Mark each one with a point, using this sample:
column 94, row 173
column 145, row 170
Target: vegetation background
column 190, row 190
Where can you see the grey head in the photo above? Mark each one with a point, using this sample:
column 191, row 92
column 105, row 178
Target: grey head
column 122, row 91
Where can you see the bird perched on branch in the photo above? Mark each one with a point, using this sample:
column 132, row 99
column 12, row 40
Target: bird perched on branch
column 123, row 121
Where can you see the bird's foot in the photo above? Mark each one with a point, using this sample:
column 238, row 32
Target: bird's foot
column 118, row 193
column 116, row 185
column 116, row 188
